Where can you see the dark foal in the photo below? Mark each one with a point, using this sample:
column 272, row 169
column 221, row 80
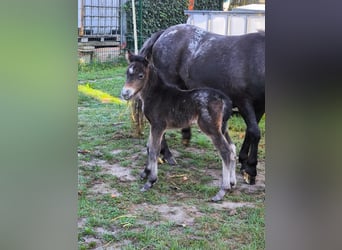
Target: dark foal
column 167, row 107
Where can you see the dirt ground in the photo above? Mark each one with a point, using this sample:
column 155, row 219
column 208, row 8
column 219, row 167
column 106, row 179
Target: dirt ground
column 181, row 215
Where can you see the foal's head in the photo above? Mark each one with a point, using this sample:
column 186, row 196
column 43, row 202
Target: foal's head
column 136, row 76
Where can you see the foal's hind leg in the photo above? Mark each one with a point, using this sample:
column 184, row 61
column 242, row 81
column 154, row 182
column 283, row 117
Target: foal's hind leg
column 227, row 155
column 232, row 149
column 228, row 165
column 232, row 164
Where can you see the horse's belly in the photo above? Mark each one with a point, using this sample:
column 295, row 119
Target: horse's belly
column 180, row 121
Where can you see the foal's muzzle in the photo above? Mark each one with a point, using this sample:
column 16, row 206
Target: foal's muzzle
column 127, row 93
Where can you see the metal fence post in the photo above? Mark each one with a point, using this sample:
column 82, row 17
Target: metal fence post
column 140, row 39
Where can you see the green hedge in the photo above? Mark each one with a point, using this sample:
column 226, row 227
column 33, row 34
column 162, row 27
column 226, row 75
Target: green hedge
column 208, row 5
column 154, row 15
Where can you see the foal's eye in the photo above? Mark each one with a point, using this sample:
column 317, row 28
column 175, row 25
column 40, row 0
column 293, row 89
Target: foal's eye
column 141, row 76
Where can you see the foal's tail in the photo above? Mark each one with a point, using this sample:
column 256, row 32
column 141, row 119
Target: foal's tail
column 146, row 49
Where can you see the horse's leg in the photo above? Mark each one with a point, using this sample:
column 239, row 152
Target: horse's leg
column 243, row 155
column 151, row 169
column 248, row 156
column 186, row 136
column 251, row 166
column 165, row 151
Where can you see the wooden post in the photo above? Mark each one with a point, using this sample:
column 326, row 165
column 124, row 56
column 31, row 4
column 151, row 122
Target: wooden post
column 81, row 31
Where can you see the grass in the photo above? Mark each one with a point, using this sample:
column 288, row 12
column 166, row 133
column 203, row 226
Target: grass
column 98, row 94
column 95, row 70
column 114, row 214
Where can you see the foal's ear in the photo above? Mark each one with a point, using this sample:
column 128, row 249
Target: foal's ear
column 145, row 61
column 128, row 56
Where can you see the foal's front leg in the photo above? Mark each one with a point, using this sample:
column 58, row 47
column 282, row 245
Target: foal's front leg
column 151, row 170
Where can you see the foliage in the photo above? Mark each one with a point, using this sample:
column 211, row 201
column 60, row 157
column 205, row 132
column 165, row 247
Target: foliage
column 208, row 5
column 153, row 16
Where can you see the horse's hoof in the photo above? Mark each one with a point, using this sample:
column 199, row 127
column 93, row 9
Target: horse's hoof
column 248, row 178
column 170, row 160
column 160, row 160
column 186, row 142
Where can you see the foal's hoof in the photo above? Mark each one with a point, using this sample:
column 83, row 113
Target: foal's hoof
column 219, row 196
column 146, row 187
column 143, row 175
column 248, row 178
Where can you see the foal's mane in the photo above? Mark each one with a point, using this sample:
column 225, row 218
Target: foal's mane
column 137, row 58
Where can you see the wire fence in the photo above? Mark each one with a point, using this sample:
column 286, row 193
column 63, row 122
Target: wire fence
column 88, row 54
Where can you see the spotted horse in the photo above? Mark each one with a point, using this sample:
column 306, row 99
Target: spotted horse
column 189, row 57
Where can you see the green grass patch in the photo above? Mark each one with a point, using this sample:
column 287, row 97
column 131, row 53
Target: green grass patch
column 96, row 70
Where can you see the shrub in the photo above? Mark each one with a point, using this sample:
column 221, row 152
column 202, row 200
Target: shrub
column 152, row 16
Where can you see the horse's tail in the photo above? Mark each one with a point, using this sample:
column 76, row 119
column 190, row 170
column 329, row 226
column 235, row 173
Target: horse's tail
column 146, row 49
